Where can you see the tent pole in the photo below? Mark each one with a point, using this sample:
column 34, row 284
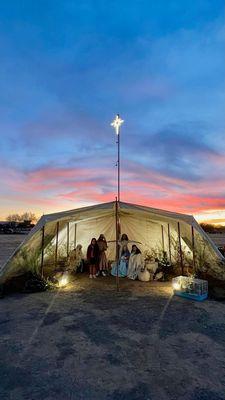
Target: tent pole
column 56, row 243
column 68, row 239
column 193, row 246
column 118, row 164
column 169, row 243
column 163, row 243
column 117, row 248
column 180, row 249
column 75, row 235
column 42, row 250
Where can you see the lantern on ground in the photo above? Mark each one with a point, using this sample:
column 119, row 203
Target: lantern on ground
column 64, row 279
column 190, row 287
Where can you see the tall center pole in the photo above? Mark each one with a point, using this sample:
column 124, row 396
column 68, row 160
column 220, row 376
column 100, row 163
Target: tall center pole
column 118, row 167
column 117, row 122
column 117, row 247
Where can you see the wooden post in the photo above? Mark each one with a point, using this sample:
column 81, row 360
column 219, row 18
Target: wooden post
column 117, row 247
column 169, row 243
column 75, row 235
column 193, row 247
column 163, row 244
column 180, row 249
column 68, row 239
column 42, row 250
column 56, row 243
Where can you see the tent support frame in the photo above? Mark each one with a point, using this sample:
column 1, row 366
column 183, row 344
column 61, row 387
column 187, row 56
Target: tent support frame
column 169, row 244
column 180, row 249
column 56, row 243
column 75, row 235
column 42, row 250
column 163, row 242
column 67, row 239
column 117, row 247
column 193, row 247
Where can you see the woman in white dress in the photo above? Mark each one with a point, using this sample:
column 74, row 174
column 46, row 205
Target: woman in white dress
column 135, row 263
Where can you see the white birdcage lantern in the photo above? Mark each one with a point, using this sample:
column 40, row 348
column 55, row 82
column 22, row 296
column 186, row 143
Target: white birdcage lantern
column 190, row 287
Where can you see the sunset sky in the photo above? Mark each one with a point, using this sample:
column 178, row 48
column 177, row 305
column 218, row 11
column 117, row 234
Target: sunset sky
column 68, row 66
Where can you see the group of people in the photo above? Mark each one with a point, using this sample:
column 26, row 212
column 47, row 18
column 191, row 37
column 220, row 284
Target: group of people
column 96, row 257
column 130, row 262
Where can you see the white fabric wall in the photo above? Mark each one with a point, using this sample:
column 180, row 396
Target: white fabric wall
column 141, row 224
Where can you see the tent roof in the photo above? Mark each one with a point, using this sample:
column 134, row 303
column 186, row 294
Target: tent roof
column 122, row 206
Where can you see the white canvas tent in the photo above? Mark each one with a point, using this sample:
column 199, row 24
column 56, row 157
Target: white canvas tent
column 56, row 234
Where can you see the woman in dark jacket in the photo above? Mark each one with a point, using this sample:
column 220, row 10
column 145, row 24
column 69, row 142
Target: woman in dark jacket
column 92, row 257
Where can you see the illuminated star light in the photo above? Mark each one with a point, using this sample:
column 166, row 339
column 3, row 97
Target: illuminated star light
column 117, row 123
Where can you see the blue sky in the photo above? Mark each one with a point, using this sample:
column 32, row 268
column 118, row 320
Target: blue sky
column 67, row 67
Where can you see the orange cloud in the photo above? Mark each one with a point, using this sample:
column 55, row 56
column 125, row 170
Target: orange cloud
column 50, row 189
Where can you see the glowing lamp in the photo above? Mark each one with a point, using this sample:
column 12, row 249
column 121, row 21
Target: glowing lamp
column 190, row 287
column 176, row 285
column 64, row 280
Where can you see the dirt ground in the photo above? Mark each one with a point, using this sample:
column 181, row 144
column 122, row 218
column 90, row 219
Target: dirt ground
column 88, row 342
column 217, row 238
column 8, row 243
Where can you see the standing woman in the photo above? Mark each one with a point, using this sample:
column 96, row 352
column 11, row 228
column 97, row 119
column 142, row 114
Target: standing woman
column 103, row 263
column 92, row 257
column 135, row 263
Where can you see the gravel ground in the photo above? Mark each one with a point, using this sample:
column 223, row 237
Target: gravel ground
column 88, row 342
column 8, row 243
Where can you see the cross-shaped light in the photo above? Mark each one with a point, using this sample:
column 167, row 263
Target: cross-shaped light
column 117, row 123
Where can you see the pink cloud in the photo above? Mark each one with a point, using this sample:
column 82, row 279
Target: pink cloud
column 65, row 188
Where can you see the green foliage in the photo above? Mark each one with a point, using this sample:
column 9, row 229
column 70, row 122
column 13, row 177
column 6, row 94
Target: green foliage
column 202, row 255
column 27, row 259
column 150, row 254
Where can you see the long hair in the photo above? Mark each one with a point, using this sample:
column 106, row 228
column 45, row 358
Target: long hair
column 124, row 237
column 124, row 249
column 92, row 241
column 137, row 251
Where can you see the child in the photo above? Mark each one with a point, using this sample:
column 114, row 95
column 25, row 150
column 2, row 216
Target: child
column 92, row 257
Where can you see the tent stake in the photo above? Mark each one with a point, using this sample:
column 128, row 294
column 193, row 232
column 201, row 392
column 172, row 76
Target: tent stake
column 56, row 243
column 163, row 244
column 180, row 249
column 42, row 250
column 193, row 246
column 169, row 243
column 68, row 240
